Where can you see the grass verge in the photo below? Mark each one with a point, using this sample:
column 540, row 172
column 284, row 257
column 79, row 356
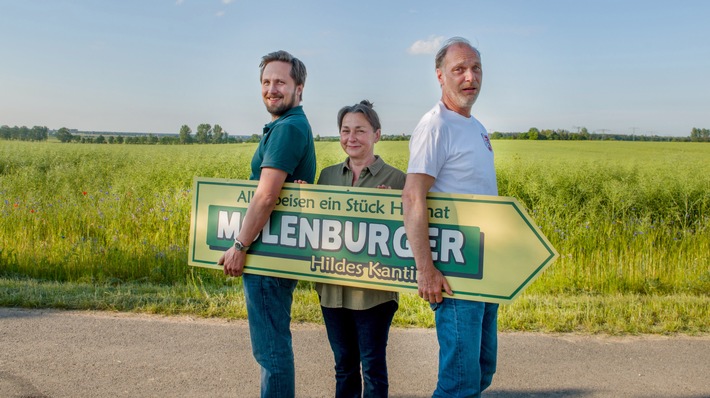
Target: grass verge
column 610, row 314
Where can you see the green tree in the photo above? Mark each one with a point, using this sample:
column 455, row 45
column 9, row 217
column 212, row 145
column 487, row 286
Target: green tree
column 63, row 135
column 204, row 133
column 584, row 134
column 533, row 133
column 38, row 133
column 169, row 140
column 699, row 135
column 5, row 132
column 185, row 134
column 23, row 133
column 217, row 134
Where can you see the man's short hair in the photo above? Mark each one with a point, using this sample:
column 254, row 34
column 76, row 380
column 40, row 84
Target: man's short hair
column 439, row 60
column 298, row 69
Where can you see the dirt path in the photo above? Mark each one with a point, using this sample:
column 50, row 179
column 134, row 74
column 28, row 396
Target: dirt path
column 47, row 353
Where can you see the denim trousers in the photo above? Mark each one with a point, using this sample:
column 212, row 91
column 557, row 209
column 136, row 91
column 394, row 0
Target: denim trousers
column 360, row 337
column 468, row 345
column 268, row 302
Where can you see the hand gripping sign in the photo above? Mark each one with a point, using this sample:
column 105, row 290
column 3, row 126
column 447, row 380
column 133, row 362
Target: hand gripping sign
column 487, row 246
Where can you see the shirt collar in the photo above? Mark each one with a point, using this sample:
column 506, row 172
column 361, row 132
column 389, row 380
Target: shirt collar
column 374, row 168
column 295, row 111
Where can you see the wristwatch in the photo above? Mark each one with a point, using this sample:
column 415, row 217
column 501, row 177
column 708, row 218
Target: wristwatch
column 240, row 246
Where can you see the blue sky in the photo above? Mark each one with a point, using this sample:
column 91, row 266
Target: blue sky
column 153, row 65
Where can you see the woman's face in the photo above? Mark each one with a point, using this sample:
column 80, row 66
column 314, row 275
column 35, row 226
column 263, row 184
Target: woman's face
column 357, row 136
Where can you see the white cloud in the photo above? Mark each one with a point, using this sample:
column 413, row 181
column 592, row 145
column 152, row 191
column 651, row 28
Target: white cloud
column 227, row 1
column 219, row 14
column 178, row 2
column 428, row 46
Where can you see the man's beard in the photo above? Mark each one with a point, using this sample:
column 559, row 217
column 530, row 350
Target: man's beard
column 465, row 101
column 283, row 107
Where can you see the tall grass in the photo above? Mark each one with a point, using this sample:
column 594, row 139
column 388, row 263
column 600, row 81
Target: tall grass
column 627, row 218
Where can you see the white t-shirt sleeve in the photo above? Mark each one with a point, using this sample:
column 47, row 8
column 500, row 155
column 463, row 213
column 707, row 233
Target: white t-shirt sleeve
column 427, row 151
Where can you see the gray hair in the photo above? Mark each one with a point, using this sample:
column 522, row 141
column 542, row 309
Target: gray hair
column 439, row 60
column 298, row 69
column 364, row 107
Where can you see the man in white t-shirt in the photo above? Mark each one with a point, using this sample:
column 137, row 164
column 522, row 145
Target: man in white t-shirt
column 450, row 152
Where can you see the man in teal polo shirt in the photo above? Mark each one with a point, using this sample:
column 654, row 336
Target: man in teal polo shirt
column 285, row 154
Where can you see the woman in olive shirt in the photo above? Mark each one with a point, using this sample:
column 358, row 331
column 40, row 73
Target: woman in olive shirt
column 358, row 320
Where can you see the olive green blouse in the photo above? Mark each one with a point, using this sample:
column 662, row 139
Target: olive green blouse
column 378, row 173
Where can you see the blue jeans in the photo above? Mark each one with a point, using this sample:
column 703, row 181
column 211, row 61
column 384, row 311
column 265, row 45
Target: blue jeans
column 268, row 302
column 360, row 336
column 468, row 344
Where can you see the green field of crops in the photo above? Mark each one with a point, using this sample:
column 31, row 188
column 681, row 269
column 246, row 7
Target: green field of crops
column 106, row 226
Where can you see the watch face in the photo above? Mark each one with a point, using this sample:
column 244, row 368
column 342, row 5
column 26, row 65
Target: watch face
column 239, row 246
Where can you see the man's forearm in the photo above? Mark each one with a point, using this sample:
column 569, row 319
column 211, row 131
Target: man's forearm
column 416, row 225
column 262, row 204
column 258, row 213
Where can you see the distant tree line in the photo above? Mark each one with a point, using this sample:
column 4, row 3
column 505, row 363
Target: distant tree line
column 208, row 134
column 700, row 135
column 36, row 133
column 584, row 135
column 383, row 137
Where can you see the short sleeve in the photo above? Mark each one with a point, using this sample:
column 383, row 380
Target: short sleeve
column 427, row 151
column 284, row 148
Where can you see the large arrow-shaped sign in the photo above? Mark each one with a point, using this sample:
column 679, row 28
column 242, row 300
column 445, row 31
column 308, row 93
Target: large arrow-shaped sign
column 487, row 246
